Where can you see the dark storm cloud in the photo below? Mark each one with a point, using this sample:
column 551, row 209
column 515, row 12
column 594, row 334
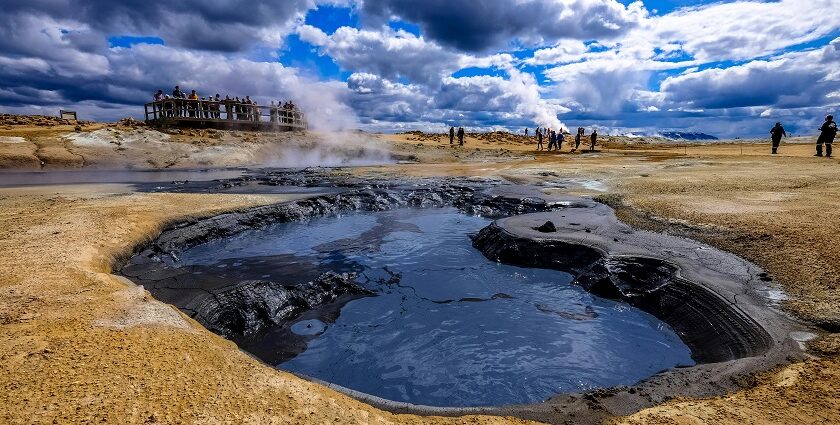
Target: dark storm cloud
column 199, row 24
column 794, row 80
column 478, row 25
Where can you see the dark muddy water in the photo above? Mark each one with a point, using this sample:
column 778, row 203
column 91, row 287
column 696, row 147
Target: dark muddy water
column 447, row 327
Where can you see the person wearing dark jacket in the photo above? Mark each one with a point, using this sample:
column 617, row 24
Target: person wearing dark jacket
column 827, row 133
column 179, row 97
column 539, row 140
column 451, row 135
column 593, row 138
column 776, row 134
column 461, row 136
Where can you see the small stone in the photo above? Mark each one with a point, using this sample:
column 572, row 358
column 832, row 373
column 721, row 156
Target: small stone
column 548, row 227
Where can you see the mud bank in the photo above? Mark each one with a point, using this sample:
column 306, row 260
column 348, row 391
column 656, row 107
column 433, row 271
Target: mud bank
column 714, row 300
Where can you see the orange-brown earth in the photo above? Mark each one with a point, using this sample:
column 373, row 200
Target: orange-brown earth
column 78, row 344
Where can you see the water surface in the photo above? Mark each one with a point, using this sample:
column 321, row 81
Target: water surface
column 448, row 327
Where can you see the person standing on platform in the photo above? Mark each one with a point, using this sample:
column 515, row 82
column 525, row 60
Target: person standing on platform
column 179, row 97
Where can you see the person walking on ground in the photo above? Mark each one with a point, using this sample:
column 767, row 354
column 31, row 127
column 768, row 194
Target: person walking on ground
column 548, row 138
column 827, row 133
column 552, row 139
column 539, row 140
column 776, row 134
column 592, row 140
column 577, row 139
column 560, row 139
column 460, row 136
column 451, row 136
column 526, row 132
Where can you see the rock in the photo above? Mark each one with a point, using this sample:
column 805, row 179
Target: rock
column 78, row 128
column 130, row 122
column 548, row 227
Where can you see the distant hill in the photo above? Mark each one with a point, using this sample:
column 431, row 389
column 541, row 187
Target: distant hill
column 675, row 135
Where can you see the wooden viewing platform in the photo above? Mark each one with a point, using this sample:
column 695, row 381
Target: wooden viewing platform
column 224, row 115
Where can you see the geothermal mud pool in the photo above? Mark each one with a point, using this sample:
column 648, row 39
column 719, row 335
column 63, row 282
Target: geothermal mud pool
column 402, row 294
column 442, row 324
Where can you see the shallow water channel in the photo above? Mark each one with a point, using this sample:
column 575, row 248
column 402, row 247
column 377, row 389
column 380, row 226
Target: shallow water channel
column 447, row 327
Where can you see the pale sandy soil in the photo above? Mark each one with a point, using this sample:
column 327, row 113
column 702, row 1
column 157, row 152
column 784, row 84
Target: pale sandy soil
column 79, row 345
column 119, row 146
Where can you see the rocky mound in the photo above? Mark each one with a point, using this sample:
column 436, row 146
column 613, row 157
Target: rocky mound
column 36, row 121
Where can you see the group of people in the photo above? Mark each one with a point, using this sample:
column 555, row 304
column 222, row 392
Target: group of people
column 556, row 138
column 181, row 104
column 828, row 131
column 460, row 134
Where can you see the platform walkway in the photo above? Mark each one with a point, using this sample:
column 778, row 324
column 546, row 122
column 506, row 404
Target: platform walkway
column 224, row 115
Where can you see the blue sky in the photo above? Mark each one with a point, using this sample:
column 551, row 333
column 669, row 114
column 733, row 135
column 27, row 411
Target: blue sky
column 728, row 68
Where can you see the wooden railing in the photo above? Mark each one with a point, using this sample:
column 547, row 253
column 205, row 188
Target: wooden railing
column 196, row 112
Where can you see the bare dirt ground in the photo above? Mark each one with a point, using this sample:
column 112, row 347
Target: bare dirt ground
column 43, row 144
column 80, row 345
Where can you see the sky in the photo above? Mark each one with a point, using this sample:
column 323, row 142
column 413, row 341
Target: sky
column 726, row 68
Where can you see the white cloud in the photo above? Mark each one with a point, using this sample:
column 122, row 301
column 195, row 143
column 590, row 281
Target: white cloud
column 566, row 51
